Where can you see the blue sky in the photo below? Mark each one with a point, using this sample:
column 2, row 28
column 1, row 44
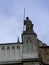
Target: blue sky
column 12, row 15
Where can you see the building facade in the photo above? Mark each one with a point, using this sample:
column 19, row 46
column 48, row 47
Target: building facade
column 31, row 51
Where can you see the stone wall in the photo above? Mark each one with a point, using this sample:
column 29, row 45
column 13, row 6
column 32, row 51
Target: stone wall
column 45, row 54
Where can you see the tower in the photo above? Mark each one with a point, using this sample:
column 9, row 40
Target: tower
column 29, row 39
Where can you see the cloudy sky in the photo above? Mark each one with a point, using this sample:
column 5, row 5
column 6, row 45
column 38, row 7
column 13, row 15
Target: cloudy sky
column 12, row 15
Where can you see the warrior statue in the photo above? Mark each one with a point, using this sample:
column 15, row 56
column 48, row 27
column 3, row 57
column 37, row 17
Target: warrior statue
column 28, row 24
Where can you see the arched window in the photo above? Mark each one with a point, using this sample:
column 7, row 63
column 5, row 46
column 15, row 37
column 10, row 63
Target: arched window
column 7, row 51
column 8, row 47
column 3, row 51
column 18, row 47
column 13, row 50
column 3, row 48
column 13, row 47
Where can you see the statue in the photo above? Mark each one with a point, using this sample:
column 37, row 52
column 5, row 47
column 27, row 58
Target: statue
column 28, row 24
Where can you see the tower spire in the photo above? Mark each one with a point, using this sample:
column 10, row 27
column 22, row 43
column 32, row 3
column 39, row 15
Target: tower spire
column 18, row 39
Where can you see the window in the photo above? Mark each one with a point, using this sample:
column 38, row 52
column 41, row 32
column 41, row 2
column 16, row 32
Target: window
column 13, row 47
column 8, row 47
column 3, row 51
column 3, row 48
column 18, row 47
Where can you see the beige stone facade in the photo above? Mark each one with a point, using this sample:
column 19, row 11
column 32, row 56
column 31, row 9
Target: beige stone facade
column 43, row 51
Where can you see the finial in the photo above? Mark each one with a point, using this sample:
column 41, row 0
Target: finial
column 18, row 39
